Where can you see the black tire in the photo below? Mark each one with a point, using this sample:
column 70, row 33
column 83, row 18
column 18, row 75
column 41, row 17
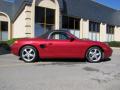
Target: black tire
column 28, row 54
column 94, row 55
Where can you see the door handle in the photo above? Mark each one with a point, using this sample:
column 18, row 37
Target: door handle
column 42, row 45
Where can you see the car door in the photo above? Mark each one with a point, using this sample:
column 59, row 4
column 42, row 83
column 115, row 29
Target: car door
column 59, row 45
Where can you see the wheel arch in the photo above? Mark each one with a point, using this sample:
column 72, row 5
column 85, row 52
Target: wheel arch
column 94, row 46
column 28, row 45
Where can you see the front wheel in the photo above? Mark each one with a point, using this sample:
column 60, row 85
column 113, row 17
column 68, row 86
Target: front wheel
column 94, row 55
column 28, row 54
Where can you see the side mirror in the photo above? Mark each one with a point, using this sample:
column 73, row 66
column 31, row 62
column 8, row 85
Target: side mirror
column 72, row 39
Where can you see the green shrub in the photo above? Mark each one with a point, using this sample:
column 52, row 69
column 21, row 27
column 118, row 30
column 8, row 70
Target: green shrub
column 9, row 42
column 0, row 42
column 6, row 44
column 114, row 44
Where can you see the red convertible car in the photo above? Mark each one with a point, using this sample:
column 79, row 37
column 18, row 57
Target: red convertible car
column 60, row 44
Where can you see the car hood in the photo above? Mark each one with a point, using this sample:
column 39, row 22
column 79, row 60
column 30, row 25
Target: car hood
column 91, row 41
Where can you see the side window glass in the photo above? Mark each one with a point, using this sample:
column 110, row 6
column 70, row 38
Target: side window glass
column 59, row 36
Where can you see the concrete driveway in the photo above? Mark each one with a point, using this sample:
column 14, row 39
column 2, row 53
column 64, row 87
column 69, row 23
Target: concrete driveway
column 61, row 75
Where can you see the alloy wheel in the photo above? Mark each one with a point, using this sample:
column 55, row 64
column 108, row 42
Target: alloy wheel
column 94, row 54
column 28, row 54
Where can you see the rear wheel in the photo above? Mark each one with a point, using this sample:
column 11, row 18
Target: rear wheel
column 94, row 55
column 28, row 54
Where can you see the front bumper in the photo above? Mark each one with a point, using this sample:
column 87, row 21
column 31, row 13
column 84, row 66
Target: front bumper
column 107, row 52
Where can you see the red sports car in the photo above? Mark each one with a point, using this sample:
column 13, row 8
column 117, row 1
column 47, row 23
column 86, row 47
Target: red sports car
column 60, row 44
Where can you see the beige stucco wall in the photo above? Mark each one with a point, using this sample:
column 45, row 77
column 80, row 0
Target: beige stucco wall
column 3, row 17
column 22, row 26
column 117, row 34
column 33, row 19
column 47, row 4
column 84, row 28
column 28, row 21
column 19, row 26
column 103, row 36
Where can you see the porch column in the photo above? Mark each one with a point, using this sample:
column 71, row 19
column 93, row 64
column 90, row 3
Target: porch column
column 117, row 33
column 103, row 35
column 84, row 29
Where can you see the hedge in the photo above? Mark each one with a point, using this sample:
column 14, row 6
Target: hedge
column 114, row 44
column 9, row 42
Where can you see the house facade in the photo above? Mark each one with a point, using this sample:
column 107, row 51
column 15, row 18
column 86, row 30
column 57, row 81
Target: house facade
column 83, row 18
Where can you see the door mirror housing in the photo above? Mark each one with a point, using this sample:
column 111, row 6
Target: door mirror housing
column 72, row 39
